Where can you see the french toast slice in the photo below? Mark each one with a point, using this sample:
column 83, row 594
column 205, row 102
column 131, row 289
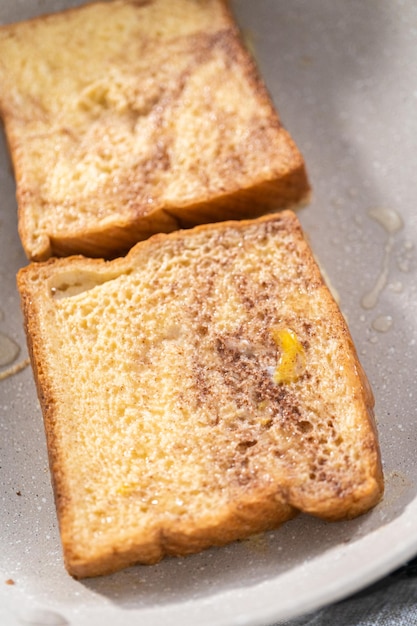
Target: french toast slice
column 128, row 118
column 203, row 388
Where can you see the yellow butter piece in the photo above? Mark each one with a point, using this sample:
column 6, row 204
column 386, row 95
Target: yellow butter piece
column 292, row 362
column 126, row 489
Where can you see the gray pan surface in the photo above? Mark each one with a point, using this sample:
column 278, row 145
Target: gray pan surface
column 344, row 77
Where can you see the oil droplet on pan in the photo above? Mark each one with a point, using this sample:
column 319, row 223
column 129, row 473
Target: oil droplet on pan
column 9, row 350
column 382, row 323
column 389, row 219
column 392, row 222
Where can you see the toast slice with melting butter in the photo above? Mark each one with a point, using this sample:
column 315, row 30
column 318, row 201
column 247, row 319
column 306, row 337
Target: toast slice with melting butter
column 128, row 118
column 203, row 388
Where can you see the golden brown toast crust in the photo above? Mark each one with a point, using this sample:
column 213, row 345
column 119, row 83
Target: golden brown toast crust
column 151, row 117
column 167, row 429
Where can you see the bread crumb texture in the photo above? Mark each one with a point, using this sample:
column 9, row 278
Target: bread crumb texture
column 119, row 111
column 167, row 427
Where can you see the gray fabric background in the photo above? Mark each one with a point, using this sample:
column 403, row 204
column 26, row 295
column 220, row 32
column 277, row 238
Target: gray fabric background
column 390, row 602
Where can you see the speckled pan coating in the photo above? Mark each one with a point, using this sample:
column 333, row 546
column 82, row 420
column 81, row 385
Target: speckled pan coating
column 343, row 75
